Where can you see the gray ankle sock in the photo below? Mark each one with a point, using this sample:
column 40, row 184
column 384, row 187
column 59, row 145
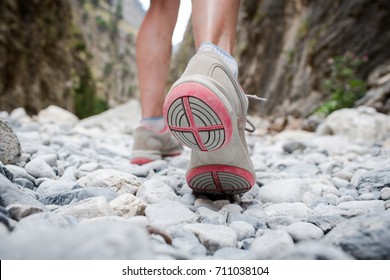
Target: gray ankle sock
column 156, row 124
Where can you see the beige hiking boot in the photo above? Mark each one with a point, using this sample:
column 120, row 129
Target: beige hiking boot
column 206, row 111
column 149, row 145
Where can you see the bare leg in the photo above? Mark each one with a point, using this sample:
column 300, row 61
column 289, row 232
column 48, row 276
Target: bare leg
column 154, row 47
column 215, row 21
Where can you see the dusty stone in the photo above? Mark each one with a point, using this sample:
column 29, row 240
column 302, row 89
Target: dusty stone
column 213, row 237
column 10, row 150
column 364, row 237
column 304, row 231
column 120, row 181
column 272, row 244
column 87, row 209
column 155, row 191
column 167, row 213
column 127, row 205
column 286, row 190
column 20, row 211
column 40, row 169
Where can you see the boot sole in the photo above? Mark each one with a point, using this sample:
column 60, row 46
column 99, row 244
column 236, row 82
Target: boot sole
column 220, row 179
column 197, row 117
column 201, row 119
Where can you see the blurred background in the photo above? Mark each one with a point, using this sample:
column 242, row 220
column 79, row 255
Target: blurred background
column 306, row 57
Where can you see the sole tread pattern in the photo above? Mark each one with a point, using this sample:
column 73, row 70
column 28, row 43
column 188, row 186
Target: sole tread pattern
column 197, row 118
column 220, row 179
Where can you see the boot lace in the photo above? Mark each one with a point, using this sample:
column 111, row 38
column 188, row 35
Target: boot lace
column 252, row 127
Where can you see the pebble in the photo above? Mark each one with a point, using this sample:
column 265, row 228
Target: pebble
column 155, row 191
column 167, row 213
column 271, row 244
column 370, row 206
column 304, row 231
column 213, row 237
column 374, row 180
column 186, row 241
column 385, row 193
column 242, row 229
column 310, row 250
column 67, row 197
column 20, row 211
column 45, row 221
column 128, row 205
column 72, row 194
column 296, row 210
column 25, row 183
column 119, row 181
column 38, row 168
column 286, row 190
column 254, row 221
column 292, row 146
column 10, row 193
column 50, row 186
column 87, row 208
column 10, row 150
column 206, row 216
column 19, row 172
column 365, row 237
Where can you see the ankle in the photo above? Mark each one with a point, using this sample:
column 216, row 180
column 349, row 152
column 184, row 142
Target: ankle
column 225, row 56
column 156, row 124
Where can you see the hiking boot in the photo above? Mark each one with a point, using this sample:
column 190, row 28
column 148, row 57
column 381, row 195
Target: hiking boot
column 206, row 111
column 149, row 145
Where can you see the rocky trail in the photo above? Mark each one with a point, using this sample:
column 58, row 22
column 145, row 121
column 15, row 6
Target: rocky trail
column 69, row 192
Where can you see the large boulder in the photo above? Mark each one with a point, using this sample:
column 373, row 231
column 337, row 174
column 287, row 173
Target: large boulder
column 10, row 150
column 362, row 124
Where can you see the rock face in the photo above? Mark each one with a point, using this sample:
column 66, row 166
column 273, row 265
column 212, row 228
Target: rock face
column 35, row 69
column 378, row 96
column 109, row 30
column 82, row 62
column 283, row 47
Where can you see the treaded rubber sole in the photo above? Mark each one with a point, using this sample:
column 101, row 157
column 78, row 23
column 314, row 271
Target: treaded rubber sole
column 220, row 179
column 197, row 117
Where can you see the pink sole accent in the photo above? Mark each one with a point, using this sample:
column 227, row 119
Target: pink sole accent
column 220, row 179
column 205, row 104
column 140, row 161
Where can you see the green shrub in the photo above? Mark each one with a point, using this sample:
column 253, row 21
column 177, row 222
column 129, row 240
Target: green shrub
column 101, row 23
column 85, row 99
column 343, row 85
column 108, row 68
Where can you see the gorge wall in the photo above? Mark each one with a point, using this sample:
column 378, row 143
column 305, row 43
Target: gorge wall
column 77, row 54
column 284, row 46
column 38, row 55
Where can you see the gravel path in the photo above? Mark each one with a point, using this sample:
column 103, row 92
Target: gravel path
column 72, row 193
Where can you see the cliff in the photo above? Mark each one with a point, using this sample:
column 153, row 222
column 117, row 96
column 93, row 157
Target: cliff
column 109, row 30
column 285, row 48
column 77, row 54
column 38, row 51
column 300, row 54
